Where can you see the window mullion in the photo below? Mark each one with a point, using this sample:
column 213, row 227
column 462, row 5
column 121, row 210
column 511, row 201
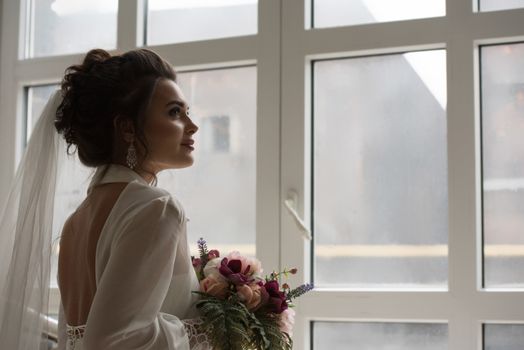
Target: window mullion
column 268, row 135
column 464, row 241
column 295, row 165
column 130, row 27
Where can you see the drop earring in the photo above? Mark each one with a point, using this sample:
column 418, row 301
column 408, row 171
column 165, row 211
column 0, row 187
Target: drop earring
column 131, row 156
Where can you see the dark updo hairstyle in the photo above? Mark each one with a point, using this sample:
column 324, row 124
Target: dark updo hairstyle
column 102, row 88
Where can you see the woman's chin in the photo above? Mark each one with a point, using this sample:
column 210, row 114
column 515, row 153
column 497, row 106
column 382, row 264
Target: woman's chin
column 185, row 162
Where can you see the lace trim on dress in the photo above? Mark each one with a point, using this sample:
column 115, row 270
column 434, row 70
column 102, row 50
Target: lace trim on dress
column 198, row 337
column 74, row 333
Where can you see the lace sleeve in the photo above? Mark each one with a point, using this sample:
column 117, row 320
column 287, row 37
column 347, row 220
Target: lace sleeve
column 198, row 337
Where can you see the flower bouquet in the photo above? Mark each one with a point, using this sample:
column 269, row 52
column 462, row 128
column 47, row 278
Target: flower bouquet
column 241, row 309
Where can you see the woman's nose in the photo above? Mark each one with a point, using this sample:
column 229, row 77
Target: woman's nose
column 192, row 128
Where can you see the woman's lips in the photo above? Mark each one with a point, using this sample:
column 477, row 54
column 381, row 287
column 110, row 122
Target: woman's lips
column 189, row 144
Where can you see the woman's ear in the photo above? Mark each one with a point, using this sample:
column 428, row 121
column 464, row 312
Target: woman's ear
column 124, row 126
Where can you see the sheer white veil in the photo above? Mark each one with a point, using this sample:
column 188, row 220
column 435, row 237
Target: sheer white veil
column 26, row 222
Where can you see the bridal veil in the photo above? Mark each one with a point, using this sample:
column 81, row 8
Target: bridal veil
column 26, row 224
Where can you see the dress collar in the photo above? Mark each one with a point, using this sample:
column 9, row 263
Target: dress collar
column 115, row 173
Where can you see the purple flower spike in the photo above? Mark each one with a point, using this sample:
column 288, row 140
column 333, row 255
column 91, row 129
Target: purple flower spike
column 300, row 290
column 202, row 243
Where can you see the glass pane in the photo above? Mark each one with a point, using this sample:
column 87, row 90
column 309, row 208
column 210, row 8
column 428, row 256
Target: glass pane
column 218, row 190
column 381, row 211
column 333, row 13
column 383, row 336
column 72, row 184
column 494, row 5
column 199, row 20
column 60, row 27
column 37, row 97
column 503, row 336
column 502, row 90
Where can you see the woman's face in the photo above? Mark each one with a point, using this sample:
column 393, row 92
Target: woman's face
column 168, row 129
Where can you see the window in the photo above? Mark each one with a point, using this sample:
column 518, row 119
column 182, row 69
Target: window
column 383, row 117
column 333, row 13
column 384, row 141
column 36, row 98
column 193, row 20
column 229, row 177
column 503, row 336
column 502, row 92
column 217, row 138
column 58, row 27
column 370, row 336
column 496, row 5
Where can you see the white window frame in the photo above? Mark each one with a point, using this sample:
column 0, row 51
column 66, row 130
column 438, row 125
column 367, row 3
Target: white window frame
column 465, row 305
column 261, row 49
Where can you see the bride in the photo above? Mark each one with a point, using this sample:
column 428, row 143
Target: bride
column 124, row 270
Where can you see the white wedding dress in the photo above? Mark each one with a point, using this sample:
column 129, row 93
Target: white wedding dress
column 144, row 275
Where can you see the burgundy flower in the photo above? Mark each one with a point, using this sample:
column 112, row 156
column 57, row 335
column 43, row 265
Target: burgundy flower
column 196, row 262
column 213, row 254
column 277, row 299
column 231, row 269
column 272, row 287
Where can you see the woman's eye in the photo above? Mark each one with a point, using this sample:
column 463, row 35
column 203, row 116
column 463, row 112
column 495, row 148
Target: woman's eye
column 174, row 111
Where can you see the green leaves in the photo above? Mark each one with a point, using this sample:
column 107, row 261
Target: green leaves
column 226, row 322
column 271, row 338
column 233, row 327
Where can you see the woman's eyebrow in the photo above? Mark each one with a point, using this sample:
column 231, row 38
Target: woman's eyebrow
column 180, row 103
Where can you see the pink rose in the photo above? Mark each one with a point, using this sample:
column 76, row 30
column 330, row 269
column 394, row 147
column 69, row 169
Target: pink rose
column 287, row 320
column 211, row 269
column 250, row 295
column 250, row 266
column 214, row 286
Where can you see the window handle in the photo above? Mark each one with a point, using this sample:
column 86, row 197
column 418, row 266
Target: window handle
column 291, row 205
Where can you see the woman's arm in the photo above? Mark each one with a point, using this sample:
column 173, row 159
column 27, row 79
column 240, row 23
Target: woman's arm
column 125, row 313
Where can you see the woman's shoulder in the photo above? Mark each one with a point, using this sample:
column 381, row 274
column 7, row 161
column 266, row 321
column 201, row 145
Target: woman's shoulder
column 140, row 197
column 142, row 208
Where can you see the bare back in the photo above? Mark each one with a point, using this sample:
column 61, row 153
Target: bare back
column 76, row 261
